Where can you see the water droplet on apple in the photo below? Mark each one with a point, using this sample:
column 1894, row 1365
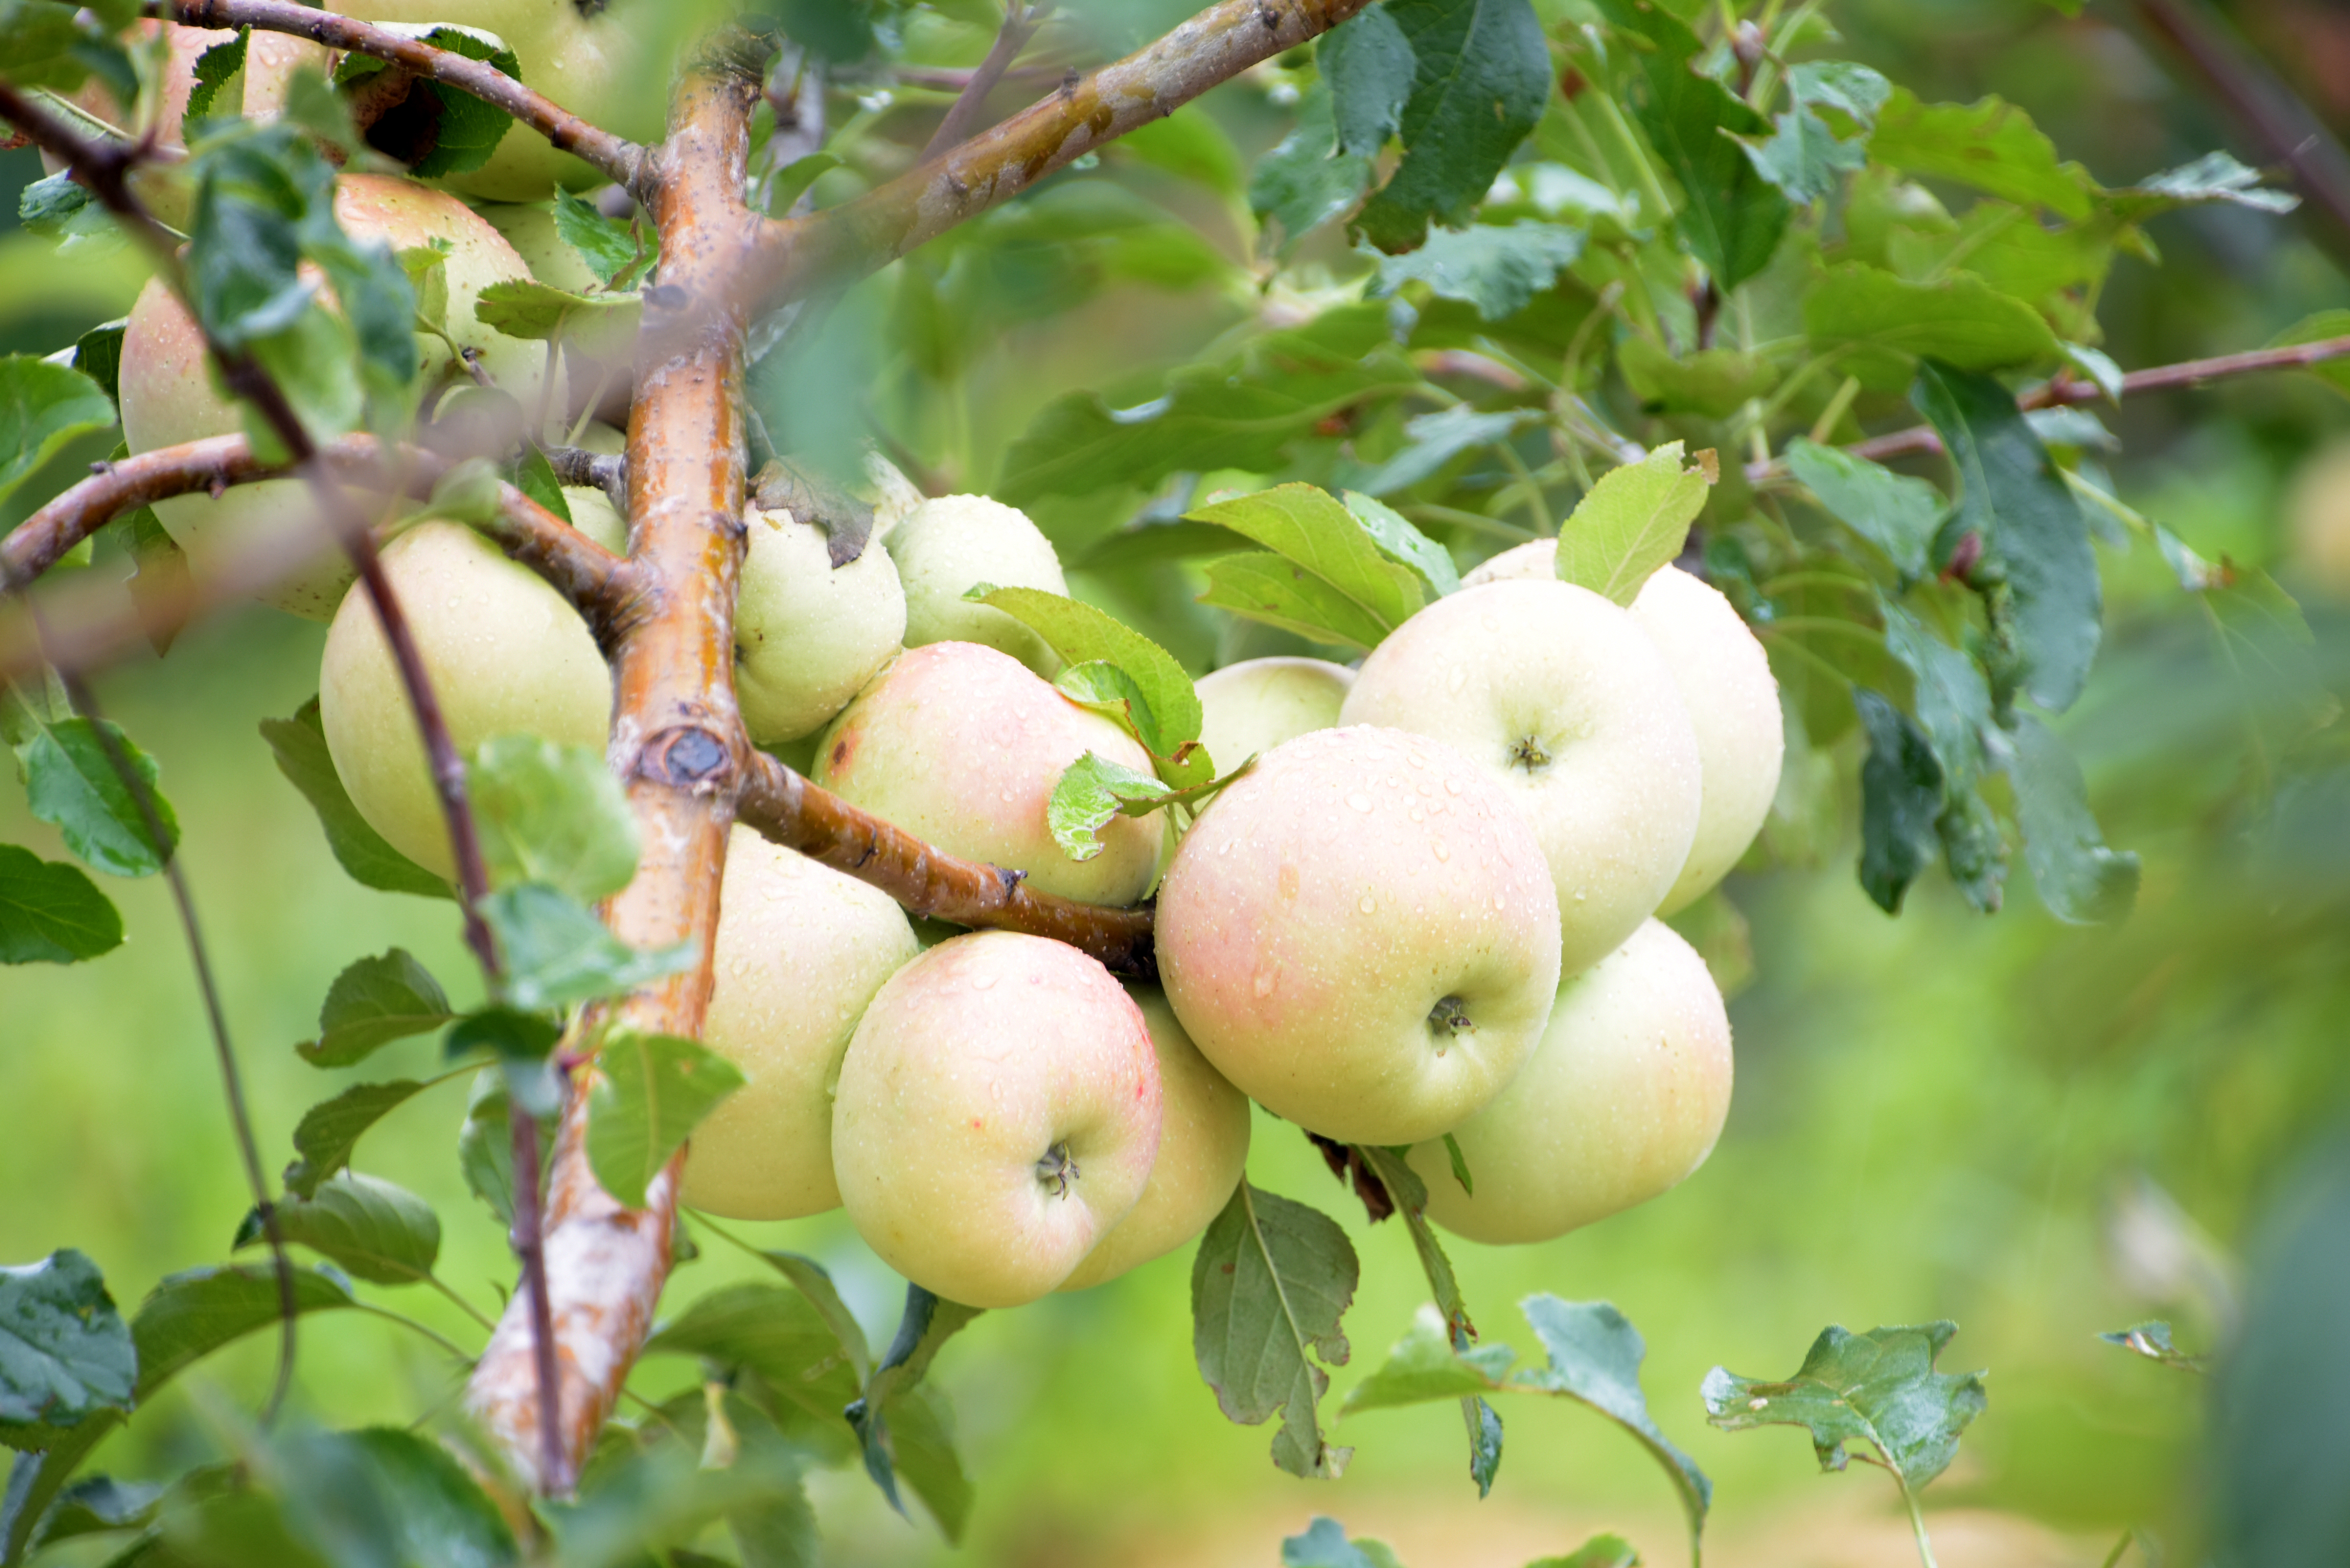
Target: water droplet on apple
column 1359, row 801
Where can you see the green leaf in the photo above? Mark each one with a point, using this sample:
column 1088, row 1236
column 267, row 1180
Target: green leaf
column 535, row 477
column 1314, row 529
column 1953, row 705
column 1324, row 1545
column 523, row 1044
column 214, row 67
column 1496, row 269
column 465, row 130
column 791, row 181
column 1878, row 1388
column 1268, row 1287
column 1886, row 321
column 778, row 1334
column 70, row 782
column 45, row 45
column 1436, row 440
column 300, row 746
column 61, row 208
column 1404, row 545
column 1304, row 181
column 651, row 1091
column 1425, row 1367
column 51, row 912
column 598, row 324
column 64, row 1353
column 1595, row 1359
column 1370, row 67
column 99, row 1503
column 610, row 247
column 1480, row 77
column 2080, row 880
column 1635, row 520
column 2012, row 498
column 1713, row 382
column 1802, row 157
column 385, row 1497
column 485, row 1146
column 97, row 354
column 557, row 952
column 1900, row 797
column 42, row 407
column 2152, row 1340
column 2214, row 177
column 1091, row 791
column 2321, row 327
column 329, row 1131
column 381, row 1232
column 1599, row 1552
column 1189, row 145
column 1854, row 89
column 898, row 1424
column 373, row 1003
column 553, row 814
column 1264, row 586
column 1734, row 219
column 1083, row 635
column 1897, row 513
column 1989, row 145
column 813, row 1281
column 1459, row 1164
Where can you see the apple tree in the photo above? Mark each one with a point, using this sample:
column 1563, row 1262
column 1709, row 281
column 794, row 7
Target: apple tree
column 1638, row 442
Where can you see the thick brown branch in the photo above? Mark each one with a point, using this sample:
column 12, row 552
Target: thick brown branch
column 792, row 812
column 677, row 744
column 623, row 161
column 796, row 256
column 2065, row 392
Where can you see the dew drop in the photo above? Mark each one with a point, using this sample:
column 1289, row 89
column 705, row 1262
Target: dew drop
column 1451, row 786
column 1460, row 679
column 1370, row 905
column 1359, row 801
column 987, row 981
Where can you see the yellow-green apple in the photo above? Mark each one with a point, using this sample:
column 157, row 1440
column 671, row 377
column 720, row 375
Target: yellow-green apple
column 998, row 1112
column 1725, row 681
column 504, row 653
column 1361, row 934
column 961, row 746
column 2318, row 508
column 606, row 61
column 894, row 496
column 1203, row 1140
column 1623, row 1097
column 168, row 395
column 1557, row 696
column 1257, row 704
column 946, row 546
column 529, row 227
column 808, row 635
column 799, row 953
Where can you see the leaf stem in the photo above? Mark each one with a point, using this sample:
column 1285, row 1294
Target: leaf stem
column 1918, row 1525
column 468, row 1308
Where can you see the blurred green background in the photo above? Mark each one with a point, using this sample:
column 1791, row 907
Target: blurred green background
column 2038, row 1131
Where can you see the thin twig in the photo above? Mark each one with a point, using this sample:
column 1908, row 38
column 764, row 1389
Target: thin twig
column 1021, row 21
column 618, row 157
column 607, row 471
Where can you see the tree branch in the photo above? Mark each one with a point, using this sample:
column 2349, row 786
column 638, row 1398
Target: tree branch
column 677, row 744
column 788, row 809
column 1020, row 20
column 620, row 158
column 792, row 257
column 2066, row 392
column 607, row 471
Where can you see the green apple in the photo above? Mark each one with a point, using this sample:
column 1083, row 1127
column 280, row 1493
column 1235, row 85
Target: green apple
column 504, row 653
column 998, row 1112
column 1362, row 935
column 529, row 227
column 894, row 496
column 1254, row 705
column 799, row 953
column 961, row 746
column 1726, row 685
column 808, row 635
column 1203, row 1141
column 168, row 395
column 2318, row 510
column 1623, row 1097
column 945, row 547
column 1559, row 698
column 606, row 61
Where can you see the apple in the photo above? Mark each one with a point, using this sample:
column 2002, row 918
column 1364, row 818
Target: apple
column 1623, row 1097
column 1254, row 705
column 529, row 228
column 961, row 746
column 1558, row 697
column 1203, row 1140
column 2318, row 510
column 1361, row 934
column 945, row 547
column 799, row 953
column 605, row 60
column 168, row 395
column 998, row 1112
column 808, row 635
column 1733, row 699
column 894, row 496
column 504, row 653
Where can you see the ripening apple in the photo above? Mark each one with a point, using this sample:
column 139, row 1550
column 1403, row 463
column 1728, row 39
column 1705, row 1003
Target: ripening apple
column 1203, row 1140
column 1623, row 1098
column 1725, row 682
column 505, row 654
column 961, row 746
column 529, row 227
column 998, row 1112
column 2318, row 509
column 605, row 60
column 799, row 953
column 1557, row 696
column 168, row 395
column 808, row 635
column 946, row 546
column 1361, row 934
column 1254, row 706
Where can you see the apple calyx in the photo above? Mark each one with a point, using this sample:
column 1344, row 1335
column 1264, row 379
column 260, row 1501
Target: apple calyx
column 1527, row 752
column 1057, row 1170
column 1448, row 1020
